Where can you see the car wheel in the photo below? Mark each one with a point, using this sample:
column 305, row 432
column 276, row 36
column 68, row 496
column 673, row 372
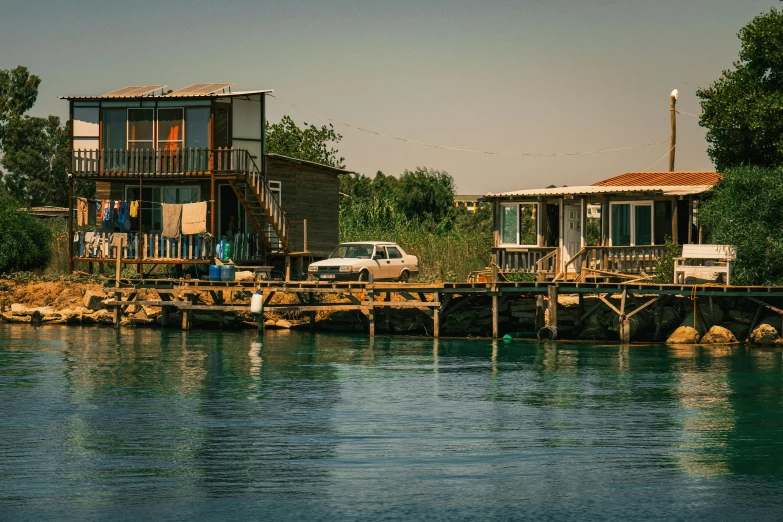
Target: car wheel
column 364, row 276
column 405, row 276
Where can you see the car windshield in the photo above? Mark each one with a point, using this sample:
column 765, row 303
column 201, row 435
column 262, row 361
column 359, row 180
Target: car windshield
column 353, row 251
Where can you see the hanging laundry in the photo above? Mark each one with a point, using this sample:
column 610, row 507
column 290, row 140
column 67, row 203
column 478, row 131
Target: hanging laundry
column 172, row 219
column 194, row 218
column 81, row 211
column 123, row 217
column 93, row 207
column 134, row 209
column 106, row 214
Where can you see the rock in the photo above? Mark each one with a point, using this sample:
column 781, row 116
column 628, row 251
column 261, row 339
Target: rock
column 684, row 335
column 12, row 317
column 739, row 330
column 93, row 300
column 18, row 308
column 739, row 316
column 764, row 335
column 282, row 323
column 718, row 335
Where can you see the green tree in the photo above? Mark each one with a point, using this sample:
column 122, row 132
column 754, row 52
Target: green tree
column 36, row 157
column 18, row 92
column 310, row 143
column 743, row 109
column 25, row 242
column 426, row 194
column 745, row 211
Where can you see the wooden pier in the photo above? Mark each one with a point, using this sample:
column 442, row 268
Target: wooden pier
column 436, row 300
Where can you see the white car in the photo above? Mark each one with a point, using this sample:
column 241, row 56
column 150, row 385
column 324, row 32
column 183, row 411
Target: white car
column 357, row 261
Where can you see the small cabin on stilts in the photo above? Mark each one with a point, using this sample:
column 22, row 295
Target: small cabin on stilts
column 615, row 227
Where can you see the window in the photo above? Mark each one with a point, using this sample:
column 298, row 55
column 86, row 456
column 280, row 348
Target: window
column 115, row 122
column 393, row 253
column 380, row 252
column 170, row 123
column 140, row 129
column 631, row 224
column 197, row 137
column 519, row 224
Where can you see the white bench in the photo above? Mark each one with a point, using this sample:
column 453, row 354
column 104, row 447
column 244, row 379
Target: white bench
column 722, row 255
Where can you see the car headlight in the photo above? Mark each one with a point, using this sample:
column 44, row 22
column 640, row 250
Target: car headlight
column 345, row 268
column 312, row 268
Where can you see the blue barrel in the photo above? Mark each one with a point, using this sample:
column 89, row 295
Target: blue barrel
column 228, row 272
column 214, row 272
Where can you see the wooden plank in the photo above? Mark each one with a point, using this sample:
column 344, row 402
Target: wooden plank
column 645, row 305
column 609, row 304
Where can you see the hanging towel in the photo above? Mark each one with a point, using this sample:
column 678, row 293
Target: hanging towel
column 172, row 219
column 134, row 209
column 81, row 211
column 194, row 218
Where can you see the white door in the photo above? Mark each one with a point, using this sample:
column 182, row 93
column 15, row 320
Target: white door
column 572, row 234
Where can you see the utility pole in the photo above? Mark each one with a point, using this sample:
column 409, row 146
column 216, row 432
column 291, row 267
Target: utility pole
column 673, row 138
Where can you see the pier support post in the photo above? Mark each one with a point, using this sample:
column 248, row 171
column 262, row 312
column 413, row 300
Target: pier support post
column 625, row 329
column 164, row 316
column 387, row 314
column 117, row 310
column 260, row 320
column 495, row 321
column 186, row 314
column 436, row 317
column 371, row 315
column 539, row 312
column 552, row 308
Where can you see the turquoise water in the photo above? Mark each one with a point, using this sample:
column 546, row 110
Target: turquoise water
column 144, row 424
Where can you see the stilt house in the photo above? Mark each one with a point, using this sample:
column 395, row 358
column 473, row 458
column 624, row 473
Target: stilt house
column 549, row 232
column 203, row 143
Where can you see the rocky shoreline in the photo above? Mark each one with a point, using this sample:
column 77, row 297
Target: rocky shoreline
column 675, row 320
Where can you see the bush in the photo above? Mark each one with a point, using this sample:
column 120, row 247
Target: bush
column 745, row 211
column 664, row 271
column 25, row 242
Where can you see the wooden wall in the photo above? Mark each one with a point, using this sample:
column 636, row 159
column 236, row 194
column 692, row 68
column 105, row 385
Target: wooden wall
column 312, row 193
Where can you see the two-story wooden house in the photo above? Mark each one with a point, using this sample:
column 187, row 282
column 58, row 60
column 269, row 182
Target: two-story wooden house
column 203, row 143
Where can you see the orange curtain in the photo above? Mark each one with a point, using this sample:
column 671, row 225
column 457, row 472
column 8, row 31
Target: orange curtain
column 172, row 137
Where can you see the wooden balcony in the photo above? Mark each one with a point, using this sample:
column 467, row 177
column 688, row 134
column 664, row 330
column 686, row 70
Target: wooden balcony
column 153, row 248
column 158, row 163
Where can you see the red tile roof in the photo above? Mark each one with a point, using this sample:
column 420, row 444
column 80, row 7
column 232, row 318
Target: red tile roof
column 664, row 179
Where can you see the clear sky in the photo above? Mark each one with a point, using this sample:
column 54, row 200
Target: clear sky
column 514, row 76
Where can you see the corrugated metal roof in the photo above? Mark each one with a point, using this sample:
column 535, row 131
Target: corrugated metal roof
column 665, row 179
column 672, row 190
column 201, row 88
column 166, row 96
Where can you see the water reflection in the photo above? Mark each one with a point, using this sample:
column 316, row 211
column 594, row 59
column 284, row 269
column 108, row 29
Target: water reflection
column 346, row 427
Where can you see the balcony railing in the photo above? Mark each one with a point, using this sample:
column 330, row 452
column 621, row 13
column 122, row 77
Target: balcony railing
column 158, row 162
column 153, row 247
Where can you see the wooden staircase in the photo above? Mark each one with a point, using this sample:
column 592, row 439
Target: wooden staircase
column 262, row 207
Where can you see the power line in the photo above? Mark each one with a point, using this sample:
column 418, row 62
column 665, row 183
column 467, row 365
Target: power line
column 659, row 159
column 477, row 151
column 688, row 114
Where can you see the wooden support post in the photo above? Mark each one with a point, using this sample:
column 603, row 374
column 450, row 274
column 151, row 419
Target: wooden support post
column 540, row 312
column 625, row 327
column 287, row 269
column 299, row 267
column 260, row 320
column 675, row 219
column 119, row 263
column 69, row 240
column 371, row 314
column 164, row 316
column 117, row 310
column 495, row 322
column 673, row 136
column 186, row 315
column 581, row 306
column 436, row 317
column 552, row 309
column 387, row 315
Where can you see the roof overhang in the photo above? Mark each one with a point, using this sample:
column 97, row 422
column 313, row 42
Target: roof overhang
column 234, row 94
column 593, row 190
column 334, row 170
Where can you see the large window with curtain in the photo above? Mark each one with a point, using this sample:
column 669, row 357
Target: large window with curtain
column 631, row 223
column 519, row 224
column 170, row 127
column 141, row 134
